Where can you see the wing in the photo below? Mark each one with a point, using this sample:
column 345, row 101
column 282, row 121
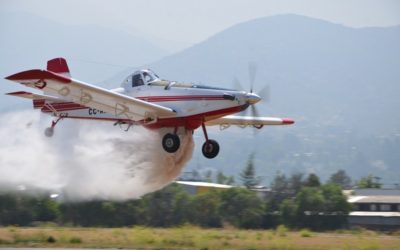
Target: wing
column 88, row 95
column 249, row 121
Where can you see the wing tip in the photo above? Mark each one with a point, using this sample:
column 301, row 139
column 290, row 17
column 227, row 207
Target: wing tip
column 37, row 74
column 287, row 121
column 19, row 93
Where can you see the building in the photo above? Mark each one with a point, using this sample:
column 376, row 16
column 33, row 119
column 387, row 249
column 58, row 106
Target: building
column 199, row 187
column 375, row 208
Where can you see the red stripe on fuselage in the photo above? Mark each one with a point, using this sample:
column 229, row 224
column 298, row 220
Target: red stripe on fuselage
column 180, row 98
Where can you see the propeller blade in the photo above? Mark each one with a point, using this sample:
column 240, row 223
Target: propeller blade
column 237, row 85
column 254, row 111
column 265, row 93
column 252, row 75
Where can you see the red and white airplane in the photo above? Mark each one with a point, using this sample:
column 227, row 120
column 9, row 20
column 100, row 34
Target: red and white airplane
column 143, row 99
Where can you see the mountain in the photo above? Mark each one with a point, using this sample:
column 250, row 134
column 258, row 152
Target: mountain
column 93, row 53
column 340, row 84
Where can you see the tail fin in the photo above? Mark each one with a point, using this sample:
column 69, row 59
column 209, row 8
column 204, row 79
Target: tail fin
column 59, row 66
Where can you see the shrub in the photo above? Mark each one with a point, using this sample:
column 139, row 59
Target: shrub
column 305, row 233
column 75, row 240
column 281, row 230
column 51, row 239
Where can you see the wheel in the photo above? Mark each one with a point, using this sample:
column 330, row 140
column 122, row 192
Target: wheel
column 171, row 143
column 210, row 149
column 49, row 132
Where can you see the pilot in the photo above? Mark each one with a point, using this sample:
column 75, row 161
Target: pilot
column 137, row 80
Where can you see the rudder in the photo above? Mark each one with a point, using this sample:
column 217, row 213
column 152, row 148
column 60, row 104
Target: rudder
column 59, row 66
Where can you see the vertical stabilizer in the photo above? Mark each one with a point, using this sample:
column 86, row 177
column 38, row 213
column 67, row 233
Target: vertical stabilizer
column 59, row 66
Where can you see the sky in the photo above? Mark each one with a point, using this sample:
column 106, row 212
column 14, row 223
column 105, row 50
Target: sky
column 189, row 22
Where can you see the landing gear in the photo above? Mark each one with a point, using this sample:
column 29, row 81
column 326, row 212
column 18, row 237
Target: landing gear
column 49, row 132
column 210, row 147
column 171, row 142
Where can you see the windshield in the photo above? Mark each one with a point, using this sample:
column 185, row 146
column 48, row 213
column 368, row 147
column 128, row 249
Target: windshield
column 149, row 76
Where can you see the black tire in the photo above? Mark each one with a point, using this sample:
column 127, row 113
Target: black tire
column 49, row 132
column 210, row 149
column 171, row 143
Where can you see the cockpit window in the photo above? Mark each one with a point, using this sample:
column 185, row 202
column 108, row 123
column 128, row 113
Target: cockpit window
column 137, row 80
column 149, row 76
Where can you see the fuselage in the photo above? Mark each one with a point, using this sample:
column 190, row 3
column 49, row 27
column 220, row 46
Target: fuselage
column 193, row 104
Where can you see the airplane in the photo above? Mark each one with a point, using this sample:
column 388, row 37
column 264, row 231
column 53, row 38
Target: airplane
column 143, row 99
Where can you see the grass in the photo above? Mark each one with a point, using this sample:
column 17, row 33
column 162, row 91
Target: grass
column 191, row 237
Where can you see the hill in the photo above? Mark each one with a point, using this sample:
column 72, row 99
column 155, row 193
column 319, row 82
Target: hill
column 341, row 84
column 93, row 53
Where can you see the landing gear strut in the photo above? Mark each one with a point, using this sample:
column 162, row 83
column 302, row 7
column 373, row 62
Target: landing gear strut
column 210, row 147
column 171, row 142
column 49, row 132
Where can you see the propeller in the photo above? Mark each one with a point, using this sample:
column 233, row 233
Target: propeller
column 253, row 98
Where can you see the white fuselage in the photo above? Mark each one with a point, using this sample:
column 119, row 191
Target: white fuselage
column 192, row 104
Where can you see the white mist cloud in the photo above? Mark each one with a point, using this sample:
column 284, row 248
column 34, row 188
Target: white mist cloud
column 86, row 160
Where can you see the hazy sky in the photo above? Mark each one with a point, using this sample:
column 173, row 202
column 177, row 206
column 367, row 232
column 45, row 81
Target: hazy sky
column 191, row 21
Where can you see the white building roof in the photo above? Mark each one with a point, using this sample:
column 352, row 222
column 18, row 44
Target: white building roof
column 392, row 199
column 203, row 184
column 374, row 213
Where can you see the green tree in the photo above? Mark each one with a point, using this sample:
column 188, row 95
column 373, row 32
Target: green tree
column 15, row 209
column 279, row 191
column 167, row 207
column 288, row 210
column 230, row 181
column 45, row 209
column 335, row 200
column 369, row 181
column 296, row 182
column 341, row 178
column 241, row 208
column 206, row 209
column 312, row 181
column 223, row 179
column 248, row 175
column 323, row 207
column 309, row 203
column 208, row 176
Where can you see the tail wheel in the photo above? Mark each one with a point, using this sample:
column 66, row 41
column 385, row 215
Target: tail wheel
column 210, row 149
column 49, row 131
column 171, row 143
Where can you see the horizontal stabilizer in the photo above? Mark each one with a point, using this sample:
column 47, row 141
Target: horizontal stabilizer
column 39, row 100
column 33, row 96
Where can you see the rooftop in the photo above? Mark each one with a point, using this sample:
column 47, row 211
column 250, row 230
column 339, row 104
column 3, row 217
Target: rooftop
column 375, row 199
column 203, row 184
column 374, row 213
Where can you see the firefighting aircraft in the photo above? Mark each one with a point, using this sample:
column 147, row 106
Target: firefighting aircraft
column 143, row 99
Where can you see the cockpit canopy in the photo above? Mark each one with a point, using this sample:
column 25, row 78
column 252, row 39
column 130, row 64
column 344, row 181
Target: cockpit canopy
column 140, row 77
